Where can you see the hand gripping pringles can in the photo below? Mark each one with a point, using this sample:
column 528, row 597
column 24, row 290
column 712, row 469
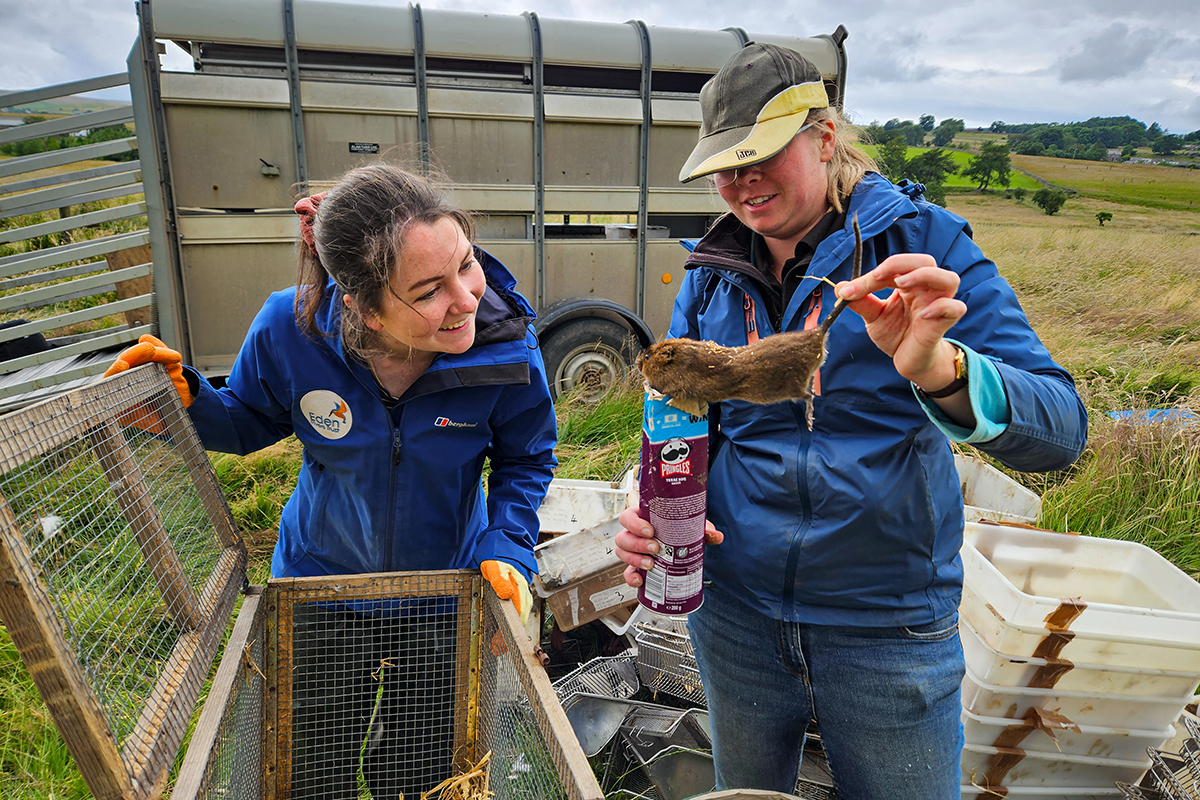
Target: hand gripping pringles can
column 673, row 499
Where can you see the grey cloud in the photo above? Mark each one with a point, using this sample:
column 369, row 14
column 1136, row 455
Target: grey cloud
column 1113, row 53
column 892, row 59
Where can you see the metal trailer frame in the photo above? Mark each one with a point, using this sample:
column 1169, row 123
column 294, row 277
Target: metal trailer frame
column 572, row 94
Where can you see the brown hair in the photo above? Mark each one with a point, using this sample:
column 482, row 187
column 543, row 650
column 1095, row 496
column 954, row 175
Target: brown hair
column 358, row 233
column 849, row 164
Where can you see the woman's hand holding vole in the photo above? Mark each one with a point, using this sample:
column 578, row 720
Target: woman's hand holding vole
column 909, row 324
column 636, row 543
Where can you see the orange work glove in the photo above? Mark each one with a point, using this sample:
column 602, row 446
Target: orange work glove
column 509, row 585
column 151, row 348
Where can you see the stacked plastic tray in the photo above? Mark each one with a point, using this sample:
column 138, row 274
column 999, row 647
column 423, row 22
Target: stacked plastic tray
column 1081, row 652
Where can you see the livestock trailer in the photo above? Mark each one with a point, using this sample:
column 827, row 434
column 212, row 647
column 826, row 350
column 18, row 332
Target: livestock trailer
column 566, row 137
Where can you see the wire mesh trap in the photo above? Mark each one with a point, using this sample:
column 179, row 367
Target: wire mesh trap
column 666, row 662
column 380, row 686
column 610, row 676
column 119, row 566
column 119, row 569
column 1172, row 776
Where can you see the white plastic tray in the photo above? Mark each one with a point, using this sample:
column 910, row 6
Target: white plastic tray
column 990, row 494
column 1052, row 770
column 1092, row 740
column 574, row 505
column 1083, row 708
column 991, row 666
column 1141, row 610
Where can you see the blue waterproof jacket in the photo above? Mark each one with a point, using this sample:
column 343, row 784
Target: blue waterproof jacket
column 860, row 521
column 382, row 490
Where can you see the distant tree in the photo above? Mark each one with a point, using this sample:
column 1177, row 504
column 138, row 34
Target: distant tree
column 1154, row 131
column 1128, row 151
column 1049, row 200
column 1051, row 136
column 931, row 168
column 875, row 133
column 1194, row 136
column 998, row 126
column 1029, row 147
column 1103, row 217
column 894, row 122
column 913, row 134
column 893, row 158
column 1166, row 144
column 1097, row 152
column 991, row 166
column 946, row 130
column 926, row 122
column 1019, row 193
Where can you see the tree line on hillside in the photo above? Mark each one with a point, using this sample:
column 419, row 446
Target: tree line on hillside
column 1091, row 139
column 93, row 136
column 1088, row 140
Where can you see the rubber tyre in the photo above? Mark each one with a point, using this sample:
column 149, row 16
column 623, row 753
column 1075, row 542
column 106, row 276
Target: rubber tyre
column 588, row 356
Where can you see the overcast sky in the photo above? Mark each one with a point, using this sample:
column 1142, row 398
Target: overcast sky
column 979, row 60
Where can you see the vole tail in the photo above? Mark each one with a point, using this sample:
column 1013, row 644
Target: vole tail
column 855, row 271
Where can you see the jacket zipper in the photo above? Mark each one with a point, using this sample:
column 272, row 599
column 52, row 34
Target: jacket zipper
column 789, row 574
column 391, row 511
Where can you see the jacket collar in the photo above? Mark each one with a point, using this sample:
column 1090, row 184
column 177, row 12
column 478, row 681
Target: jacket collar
column 726, row 247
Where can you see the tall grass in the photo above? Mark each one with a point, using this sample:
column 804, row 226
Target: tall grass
column 1136, row 482
column 602, row 440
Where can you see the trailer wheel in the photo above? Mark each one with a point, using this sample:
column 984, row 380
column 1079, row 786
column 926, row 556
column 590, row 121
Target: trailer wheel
column 588, row 356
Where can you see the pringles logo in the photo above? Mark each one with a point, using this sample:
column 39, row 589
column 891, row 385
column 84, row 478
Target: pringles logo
column 327, row 413
column 674, row 458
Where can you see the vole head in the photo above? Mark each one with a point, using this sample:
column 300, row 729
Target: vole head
column 658, row 354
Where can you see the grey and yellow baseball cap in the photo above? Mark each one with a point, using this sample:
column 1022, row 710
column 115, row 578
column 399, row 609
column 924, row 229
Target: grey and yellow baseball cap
column 752, row 108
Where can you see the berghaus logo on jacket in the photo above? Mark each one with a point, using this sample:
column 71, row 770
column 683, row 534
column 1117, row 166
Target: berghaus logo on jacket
column 446, row 422
column 327, row 412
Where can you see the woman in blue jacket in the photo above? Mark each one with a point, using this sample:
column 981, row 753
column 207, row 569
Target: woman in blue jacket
column 834, row 594
column 403, row 360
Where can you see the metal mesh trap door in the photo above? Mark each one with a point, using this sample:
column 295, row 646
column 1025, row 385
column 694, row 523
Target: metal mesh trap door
column 377, row 685
column 119, row 567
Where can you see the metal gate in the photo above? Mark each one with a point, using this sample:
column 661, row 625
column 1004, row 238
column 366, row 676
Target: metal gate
column 76, row 275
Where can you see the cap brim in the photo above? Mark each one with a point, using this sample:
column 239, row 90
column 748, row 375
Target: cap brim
column 741, row 147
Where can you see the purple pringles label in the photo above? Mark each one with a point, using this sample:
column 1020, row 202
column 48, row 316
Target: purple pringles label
column 673, row 493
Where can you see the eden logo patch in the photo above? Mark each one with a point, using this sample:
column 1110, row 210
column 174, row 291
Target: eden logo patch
column 327, row 413
column 444, row 422
column 744, row 154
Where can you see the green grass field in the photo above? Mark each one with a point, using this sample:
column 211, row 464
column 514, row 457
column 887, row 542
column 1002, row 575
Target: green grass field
column 1147, row 185
column 961, row 159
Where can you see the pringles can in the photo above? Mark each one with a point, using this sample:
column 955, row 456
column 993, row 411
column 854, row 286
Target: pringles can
column 673, row 499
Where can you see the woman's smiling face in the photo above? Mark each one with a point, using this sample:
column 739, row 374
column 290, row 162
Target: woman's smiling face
column 435, row 292
column 786, row 200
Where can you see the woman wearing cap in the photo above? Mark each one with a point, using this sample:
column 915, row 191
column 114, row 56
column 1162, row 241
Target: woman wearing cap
column 403, row 360
column 834, row 594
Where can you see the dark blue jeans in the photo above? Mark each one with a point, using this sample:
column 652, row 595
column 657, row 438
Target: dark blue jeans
column 886, row 701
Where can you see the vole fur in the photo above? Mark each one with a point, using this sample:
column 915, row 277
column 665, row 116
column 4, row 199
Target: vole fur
column 775, row 368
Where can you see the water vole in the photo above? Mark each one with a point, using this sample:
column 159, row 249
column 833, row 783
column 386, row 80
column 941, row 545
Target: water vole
column 775, row 368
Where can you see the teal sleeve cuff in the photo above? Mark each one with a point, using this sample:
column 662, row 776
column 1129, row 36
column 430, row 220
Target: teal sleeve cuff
column 989, row 402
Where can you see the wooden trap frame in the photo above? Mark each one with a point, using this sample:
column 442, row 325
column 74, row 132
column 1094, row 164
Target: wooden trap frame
column 120, row 566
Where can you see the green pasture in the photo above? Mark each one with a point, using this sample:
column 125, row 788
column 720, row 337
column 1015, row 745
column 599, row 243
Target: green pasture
column 1146, row 185
column 961, row 158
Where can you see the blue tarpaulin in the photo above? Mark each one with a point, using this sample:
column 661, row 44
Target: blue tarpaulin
column 1145, row 416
